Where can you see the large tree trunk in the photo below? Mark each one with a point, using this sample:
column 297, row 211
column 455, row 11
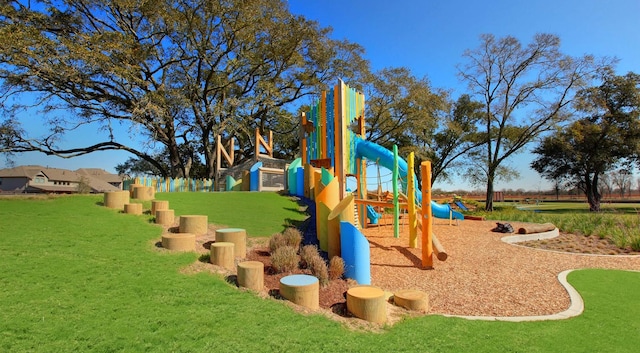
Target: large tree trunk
column 177, row 170
column 489, row 202
column 593, row 196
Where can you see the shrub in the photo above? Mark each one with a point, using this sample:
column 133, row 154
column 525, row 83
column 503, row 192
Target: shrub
column 292, row 237
column 336, row 267
column 284, row 259
column 319, row 269
column 635, row 242
column 276, row 241
column 307, row 253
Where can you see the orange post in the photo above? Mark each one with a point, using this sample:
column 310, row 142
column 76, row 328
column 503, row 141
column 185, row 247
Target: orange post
column 427, row 228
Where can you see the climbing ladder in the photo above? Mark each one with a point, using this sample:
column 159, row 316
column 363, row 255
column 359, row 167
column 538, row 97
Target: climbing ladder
column 356, row 217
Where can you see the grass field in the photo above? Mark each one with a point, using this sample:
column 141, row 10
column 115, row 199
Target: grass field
column 618, row 222
column 77, row 277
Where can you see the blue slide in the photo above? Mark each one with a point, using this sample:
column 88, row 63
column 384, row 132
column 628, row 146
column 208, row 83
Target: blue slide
column 375, row 152
column 372, row 215
column 462, row 206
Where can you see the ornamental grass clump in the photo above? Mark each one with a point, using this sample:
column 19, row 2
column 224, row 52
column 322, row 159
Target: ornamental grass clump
column 276, row 241
column 284, row 259
column 292, row 237
column 336, row 267
column 307, row 253
column 318, row 268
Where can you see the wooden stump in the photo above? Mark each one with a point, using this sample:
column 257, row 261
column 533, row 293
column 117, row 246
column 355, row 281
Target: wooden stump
column 222, row 255
column 179, row 241
column 303, row 290
column 194, row 224
column 144, row 193
column 251, row 275
column 236, row 236
column 133, row 208
column 116, row 199
column 131, row 187
column 158, row 205
column 367, row 303
column 412, row 299
column 165, row 217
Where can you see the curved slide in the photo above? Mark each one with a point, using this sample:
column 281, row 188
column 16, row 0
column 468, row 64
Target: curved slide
column 384, row 157
column 372, row 215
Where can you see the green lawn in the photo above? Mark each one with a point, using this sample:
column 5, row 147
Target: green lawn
column 618, row 222
column 260, row 213
column 77, row 277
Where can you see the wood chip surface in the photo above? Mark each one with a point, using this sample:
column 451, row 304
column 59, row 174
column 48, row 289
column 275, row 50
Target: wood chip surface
column 482, row 276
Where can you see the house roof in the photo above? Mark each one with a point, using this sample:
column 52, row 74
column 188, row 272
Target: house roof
column 98, row 183
column 23, row 171
column 100, row 174
column 56, row 174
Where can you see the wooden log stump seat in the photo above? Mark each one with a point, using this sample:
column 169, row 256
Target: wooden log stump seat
column 157, row 205
column 367, row 303
column 144, row 193
column 116, row 199
column 237, row 236
column 133, row 208
column 222, row 254
column 179, row 241
column 412, row 299
column 536, row 228
column 165, row 217
column 131, row 187
column 195, row 224
column 303, row 290
column 251, row 275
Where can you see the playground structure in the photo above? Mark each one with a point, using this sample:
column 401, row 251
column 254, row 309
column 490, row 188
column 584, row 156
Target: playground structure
column 260, row 173
column 333, row 148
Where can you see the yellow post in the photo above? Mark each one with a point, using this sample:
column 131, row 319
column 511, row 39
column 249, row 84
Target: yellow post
column 411, row 203
column 427, row 229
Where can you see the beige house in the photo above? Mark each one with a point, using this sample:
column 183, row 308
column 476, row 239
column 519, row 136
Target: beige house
column 38, row 179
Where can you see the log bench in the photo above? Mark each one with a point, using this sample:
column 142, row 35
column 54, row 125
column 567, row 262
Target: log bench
column 165, row 217
column 236, row 236
column 116, row 199
column 412, row 299
column 179, row 241
column 251, row 275
column 303, row 290
column 195, row 224
column 143, row 193
column 157, row 205
column 222, row 254
column 133, row 208
column 367, row 303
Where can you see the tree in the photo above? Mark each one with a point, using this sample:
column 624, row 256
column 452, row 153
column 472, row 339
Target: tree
column 525, row 91
column 405, row 111
column 134, row 167
column 607, row 137
column 173, row 72
column 455, row 138
column 399, row 106
column 622, row 179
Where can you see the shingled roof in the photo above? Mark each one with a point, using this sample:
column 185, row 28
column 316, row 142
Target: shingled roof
column 98, row 179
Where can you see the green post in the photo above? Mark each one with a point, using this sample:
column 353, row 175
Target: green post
column 396, row 208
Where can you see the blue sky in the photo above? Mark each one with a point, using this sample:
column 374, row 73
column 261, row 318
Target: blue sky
column 429, row 37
